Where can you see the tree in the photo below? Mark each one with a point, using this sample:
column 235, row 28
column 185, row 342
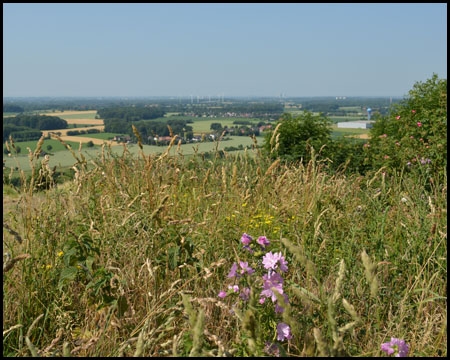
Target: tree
column 90, row 143
column 293, row 136
column 216, row 126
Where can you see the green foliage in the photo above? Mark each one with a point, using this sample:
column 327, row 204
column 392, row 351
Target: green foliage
column 294, row 136
column 12, row 108
column 131, row 113
column 38, row 122
column 414, row 136
column 216, row 126
column 130, row 255
column 347, row 155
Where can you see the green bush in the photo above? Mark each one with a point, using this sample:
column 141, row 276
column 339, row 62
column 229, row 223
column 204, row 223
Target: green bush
column 414, row 136
column 294, row 136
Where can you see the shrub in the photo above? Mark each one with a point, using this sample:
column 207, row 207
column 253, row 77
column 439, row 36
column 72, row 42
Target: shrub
column 414, row 136
column 294, row 136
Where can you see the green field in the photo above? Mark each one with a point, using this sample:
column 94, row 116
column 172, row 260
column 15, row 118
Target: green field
column 61, row 157
column 64, row 159
column 203, row 125
column 350, row 108
column 62, row 116
column 77, row 116
column 55, row 144
column 103, row 136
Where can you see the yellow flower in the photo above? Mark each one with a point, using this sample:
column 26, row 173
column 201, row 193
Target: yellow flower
column 244, row 204
column 48, row 266
column 61, row 253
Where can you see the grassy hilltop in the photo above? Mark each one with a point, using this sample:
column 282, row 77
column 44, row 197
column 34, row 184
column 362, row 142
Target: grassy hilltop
column 231, row 254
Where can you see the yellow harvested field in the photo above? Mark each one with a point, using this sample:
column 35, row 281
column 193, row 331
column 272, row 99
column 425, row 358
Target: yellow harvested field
column 85, row 121
column 61, row 113
column 82, row 139
column 360, row 136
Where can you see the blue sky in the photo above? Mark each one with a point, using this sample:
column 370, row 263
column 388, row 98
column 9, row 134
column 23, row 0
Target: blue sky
column 255, row 49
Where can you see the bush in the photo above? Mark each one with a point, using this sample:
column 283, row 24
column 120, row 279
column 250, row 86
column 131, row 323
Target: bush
column 414, row 136
column 294, row 136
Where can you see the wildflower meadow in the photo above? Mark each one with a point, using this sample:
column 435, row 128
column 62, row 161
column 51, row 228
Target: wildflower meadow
column 235, row 254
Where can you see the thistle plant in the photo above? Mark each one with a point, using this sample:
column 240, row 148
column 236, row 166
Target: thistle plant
column 257, row 284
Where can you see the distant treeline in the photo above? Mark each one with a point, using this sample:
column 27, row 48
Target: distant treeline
column 131, row 113
column 28, row 127
column 119, row 120
column 331, row 106
column 148, row 130
column 12, row 108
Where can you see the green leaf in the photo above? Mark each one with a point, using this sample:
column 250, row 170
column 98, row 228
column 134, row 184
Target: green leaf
column 173, row 254
column 67, row 274
column 122, row 306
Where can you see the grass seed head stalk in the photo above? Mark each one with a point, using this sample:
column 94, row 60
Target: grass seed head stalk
column 369, row 271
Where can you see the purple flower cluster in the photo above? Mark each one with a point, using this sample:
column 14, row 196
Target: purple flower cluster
column 424, row 161
column 247, row 241
column 398, row 347
column 271, row 282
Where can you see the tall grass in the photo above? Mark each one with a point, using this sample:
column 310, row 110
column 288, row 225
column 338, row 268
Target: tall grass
column 129, row 257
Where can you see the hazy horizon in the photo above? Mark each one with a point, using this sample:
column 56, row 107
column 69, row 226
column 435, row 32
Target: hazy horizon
column 221, row 50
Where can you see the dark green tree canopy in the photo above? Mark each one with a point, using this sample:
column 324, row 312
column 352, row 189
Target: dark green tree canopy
column 293, row 136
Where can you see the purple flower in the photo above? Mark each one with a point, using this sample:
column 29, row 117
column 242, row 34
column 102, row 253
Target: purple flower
column 396, row 346
column 246, row 268
column 278, row 308
column 249, row 249
column 272, row 349
column 283, row 332
column 222, row 294
column 262, row 240
column 245, row 294
column 233, row 270
column 272, row 281
column 270, row 261
column 424, row 161
column 235, row 288
column 246, row 239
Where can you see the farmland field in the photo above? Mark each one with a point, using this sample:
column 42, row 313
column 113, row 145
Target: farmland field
column 88, row 114
column 63, row 158
column 103, row 136
column 203, row 125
